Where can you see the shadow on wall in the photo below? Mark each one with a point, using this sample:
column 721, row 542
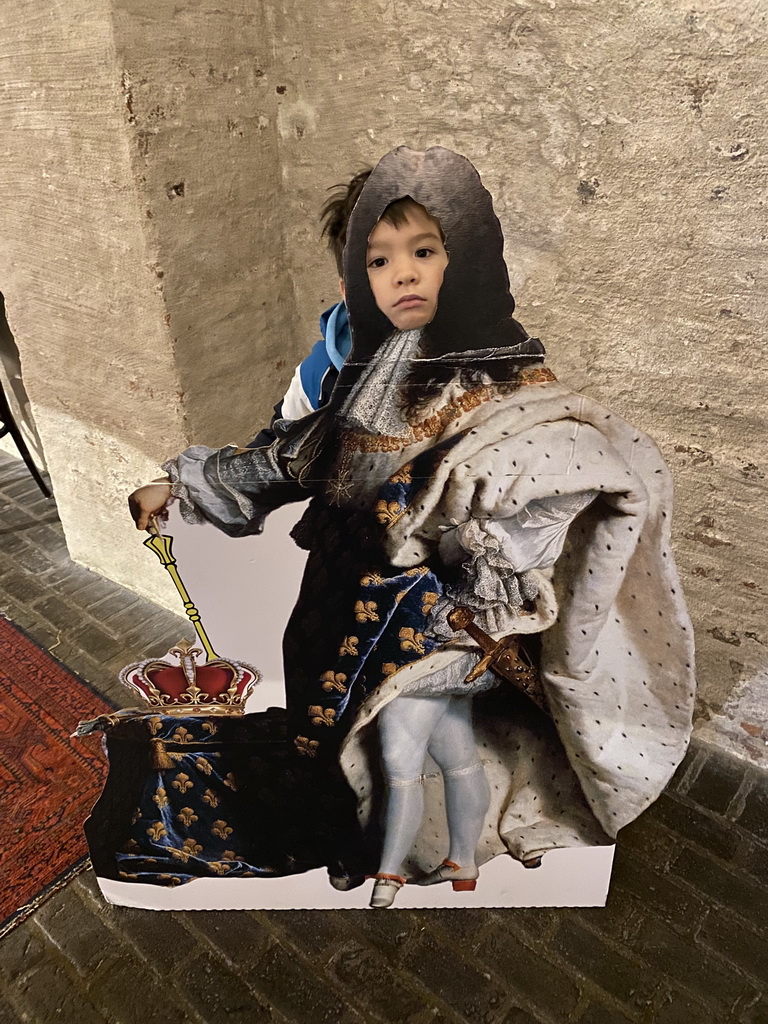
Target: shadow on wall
column 10, row 378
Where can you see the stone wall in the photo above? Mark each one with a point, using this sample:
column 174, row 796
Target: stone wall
column 622, row 145
column 163, row 272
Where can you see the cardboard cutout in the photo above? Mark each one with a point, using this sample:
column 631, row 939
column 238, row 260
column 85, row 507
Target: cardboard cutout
column 459, row 495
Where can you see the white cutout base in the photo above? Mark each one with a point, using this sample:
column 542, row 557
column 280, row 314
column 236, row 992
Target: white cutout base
column 245, row 590
column 566, row 878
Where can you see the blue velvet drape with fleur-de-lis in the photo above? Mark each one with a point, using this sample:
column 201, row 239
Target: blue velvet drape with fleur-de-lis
column 200, row 797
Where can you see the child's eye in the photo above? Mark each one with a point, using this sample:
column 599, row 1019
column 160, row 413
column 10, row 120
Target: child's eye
column 378, row 261
column 424, row 252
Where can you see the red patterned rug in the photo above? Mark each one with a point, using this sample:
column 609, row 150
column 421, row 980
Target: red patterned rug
column 48, row 781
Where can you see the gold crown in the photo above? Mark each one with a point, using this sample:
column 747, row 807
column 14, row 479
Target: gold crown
column 217, row 687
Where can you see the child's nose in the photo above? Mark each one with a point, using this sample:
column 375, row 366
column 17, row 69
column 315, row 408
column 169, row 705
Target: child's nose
column 407, row 272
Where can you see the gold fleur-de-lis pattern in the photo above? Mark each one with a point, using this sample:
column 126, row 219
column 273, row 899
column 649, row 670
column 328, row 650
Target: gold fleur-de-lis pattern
column 403, row 475
column 189, row 822
column 182, row 782
column 305, row 746
column 334, row 681
column 191, row 848
column 388, row 512
column 371, row 579
column 221, row 829
column 428, row 602
column 366, row 611
column 321, row 716
column 411, row 640
column 349, row 646
column 186, row 816
column 156, row 831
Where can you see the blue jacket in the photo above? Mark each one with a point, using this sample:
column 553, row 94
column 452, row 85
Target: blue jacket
column 315, row 376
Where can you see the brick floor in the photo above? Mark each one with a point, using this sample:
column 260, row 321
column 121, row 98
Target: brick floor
column 682, row 940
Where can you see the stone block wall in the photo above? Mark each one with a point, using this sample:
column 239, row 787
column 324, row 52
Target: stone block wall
column 165, row 165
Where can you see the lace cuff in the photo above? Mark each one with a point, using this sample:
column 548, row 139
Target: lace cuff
column 488, row 582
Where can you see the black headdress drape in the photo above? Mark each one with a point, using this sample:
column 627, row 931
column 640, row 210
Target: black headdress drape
column 473, row 331
column 475, row 306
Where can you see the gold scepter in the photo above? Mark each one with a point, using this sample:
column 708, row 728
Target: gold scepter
column 163, row 548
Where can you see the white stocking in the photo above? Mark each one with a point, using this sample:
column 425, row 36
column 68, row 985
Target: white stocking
column 406, row 725
column 409, row 727
column 467, row 793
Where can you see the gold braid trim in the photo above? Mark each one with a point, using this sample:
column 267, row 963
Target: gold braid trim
column 435, row 424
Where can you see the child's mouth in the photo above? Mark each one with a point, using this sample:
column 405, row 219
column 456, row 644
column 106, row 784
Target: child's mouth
column 408, row 301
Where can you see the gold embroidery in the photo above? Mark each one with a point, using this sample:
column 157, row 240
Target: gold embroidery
column 349, row 646
column 428, row 602
column 388, row 668
column 402, row 476
column 189, row 849
column 366, row 611
column 229, row 782
column 221, row 829
column 127, row 874
column 182, row 735
column 306, row 747
column 321, row 716
column 157, row 830
column 436, row 423
column 334, row 681
column 204, row 765
column 419, row 570
column 160, row 797
column 210, row 727
column 371, row 579
column 186, row 816
column 410, row 640
column 220, row 867
column 210, row 798
column 130, row 846
column 136, row 815
column 400, row 595
column 388, row 512
column 171, row 880
column 155, row 724
column 230, row 855
column 182, row 782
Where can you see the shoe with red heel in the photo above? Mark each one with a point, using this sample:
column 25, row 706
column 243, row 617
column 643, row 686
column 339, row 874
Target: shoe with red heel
column 461, row 879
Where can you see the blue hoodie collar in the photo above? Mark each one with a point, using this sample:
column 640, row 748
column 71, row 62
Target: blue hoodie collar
column 334, row 326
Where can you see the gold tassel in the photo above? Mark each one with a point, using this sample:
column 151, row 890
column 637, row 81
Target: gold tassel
column 160, row 758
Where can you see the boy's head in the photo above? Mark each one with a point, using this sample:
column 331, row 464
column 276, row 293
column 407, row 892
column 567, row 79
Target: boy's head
column 406, row 261
column 402, row 223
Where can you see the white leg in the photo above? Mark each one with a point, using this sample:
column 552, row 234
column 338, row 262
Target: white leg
column 406, row 725
column 467, row 793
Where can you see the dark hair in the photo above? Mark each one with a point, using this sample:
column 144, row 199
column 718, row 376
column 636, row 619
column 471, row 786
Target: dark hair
column 336, row 212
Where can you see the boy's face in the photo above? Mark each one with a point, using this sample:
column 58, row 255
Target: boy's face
column 405, row 268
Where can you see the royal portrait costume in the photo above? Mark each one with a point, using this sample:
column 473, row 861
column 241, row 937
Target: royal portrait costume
column 451, row 468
